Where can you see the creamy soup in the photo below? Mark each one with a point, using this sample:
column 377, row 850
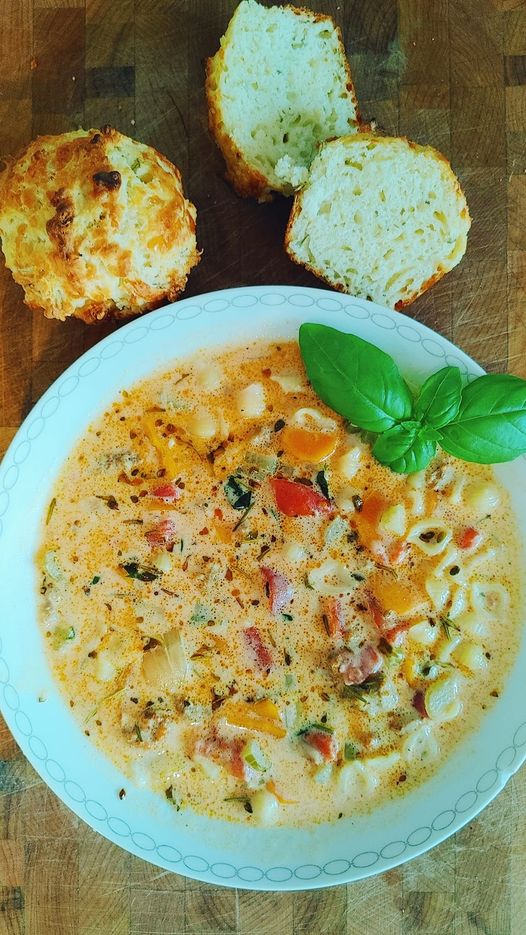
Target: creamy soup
column 249, row 614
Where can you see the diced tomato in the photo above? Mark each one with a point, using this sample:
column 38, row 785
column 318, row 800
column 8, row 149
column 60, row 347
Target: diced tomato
column 294, row 499
column 376, row 614
column 322, row 741
column 419, row 703
column 333, row 614
column 357, row 667
column 468, row 538
column 280, row 590
column 164, row 534
column 256, row 644
column 166, row 492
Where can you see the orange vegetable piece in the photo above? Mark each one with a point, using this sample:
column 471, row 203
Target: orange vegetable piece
column 308, row 446
column 366, row 521
column 398, row 596
column 271, row 786
column 262, row 716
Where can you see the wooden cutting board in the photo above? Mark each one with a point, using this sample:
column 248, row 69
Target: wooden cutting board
column 447, row 72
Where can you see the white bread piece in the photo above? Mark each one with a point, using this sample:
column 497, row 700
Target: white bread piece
column 278, row 86
column 379, row 217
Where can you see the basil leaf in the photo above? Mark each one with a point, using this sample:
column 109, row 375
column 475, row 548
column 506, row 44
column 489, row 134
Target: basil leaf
column 439, row 398
column 405, row 448
column 490, row 426
column 237, row 493
column 354, row 378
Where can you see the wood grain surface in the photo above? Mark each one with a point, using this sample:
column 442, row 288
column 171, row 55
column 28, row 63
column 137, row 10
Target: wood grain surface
column 447, row 72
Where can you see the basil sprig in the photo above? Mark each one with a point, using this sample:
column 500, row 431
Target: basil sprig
column 484, row 421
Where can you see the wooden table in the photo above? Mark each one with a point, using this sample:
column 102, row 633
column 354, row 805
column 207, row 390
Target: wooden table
column 448, row 73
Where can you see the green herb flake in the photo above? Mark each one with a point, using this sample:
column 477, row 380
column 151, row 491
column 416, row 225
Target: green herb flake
column 50, row 510
column 138, row 734
column 321, row 480
column 315, row 726
column 447, row 625
column 360, row 693
column 95, row 579
column 288, row 617
column 139, row 572
column 350, row 752
column 238, row 494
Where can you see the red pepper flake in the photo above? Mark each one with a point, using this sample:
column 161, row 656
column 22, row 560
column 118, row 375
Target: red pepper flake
column 204, row 531
column 218, row 513
column 419, row 704
column 185, row 564
column 266, row 372
column 228, row 574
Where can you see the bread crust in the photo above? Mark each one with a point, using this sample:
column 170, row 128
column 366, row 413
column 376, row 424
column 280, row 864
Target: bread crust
column 246, row 180
column 296, row 210
column 85, row 236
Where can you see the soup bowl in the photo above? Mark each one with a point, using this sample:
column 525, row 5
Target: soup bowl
column 143, row 823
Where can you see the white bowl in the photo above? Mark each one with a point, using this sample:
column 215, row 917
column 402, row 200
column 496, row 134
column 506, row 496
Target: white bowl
column 53, row 741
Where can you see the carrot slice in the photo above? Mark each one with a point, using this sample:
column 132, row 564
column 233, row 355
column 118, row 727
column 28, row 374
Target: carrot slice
column 308, row 446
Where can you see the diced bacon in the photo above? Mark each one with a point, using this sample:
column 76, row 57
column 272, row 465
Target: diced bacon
column 419, row 704
column 376, row 614
column 280, row 590
column 355, row 668
column 225, row 752
column 295, row 499
column 394, row 635
column 256, row 644
column 163, row 534
column 333, row 616
column 468, row 538
column 323, row 742
column 167, row 492
column 397, row 552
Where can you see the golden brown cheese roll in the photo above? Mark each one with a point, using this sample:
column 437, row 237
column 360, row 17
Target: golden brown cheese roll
column 95, row 224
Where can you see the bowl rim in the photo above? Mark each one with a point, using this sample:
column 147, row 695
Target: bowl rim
column 316, row 302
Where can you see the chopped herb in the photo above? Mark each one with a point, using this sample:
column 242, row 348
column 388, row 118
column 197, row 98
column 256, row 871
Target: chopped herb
column 140, row 572
column 358, row 502
column 122, row 794
column 169, row 793
column 287, row 617
column 181, row 547
column 307, row 583
column 447, row 625
column 50, row 510
column 201, row 614
column 263, row 551
column 289, row 680
column 245, row 514
column 138, row 734
column 95, row 579
column 356, row 576
column 251, row 535
column 240, row 798
column 350, row 752
column 137, row 522
column 237, row 493
column 321, row 480
column 315, row 726
column 109, row 501
column 370, row 686
column 325, row 621
column 385, row 647
column 135, row 165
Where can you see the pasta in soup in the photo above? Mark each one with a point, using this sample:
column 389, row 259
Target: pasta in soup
column 249, row 614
